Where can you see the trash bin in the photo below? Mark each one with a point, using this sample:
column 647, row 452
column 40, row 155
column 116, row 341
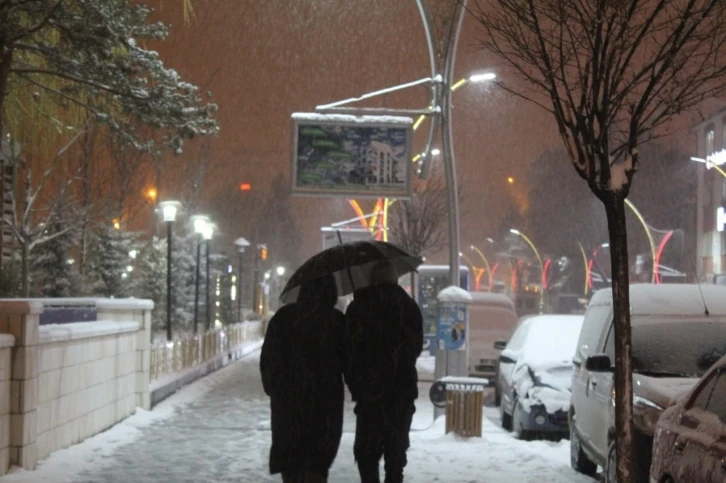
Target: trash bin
column 464, row 403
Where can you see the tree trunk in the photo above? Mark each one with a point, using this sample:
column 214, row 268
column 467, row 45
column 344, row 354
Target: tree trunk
column 615, row 209
column 25, row 272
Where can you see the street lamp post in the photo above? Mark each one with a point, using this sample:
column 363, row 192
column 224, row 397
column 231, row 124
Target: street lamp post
column 200, row 222
column 241, row 244
column 280, row 272
column 486, row 264
column 207, row 235
column 169, row 211
column 541, row 267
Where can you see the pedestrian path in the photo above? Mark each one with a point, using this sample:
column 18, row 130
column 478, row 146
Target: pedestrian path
column 217, row 430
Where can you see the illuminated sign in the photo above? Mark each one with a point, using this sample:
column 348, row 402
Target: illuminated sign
column 720, row 219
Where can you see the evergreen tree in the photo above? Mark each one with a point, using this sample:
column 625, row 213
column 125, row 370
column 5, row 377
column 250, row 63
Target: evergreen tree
column 183, row 271
column 97, row 48
column 52, row 272
column 152, row 279
column 109, row 273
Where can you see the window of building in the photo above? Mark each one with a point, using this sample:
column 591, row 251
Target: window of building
column 710, row 136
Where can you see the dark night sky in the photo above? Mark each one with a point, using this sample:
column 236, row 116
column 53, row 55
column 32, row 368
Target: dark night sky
column 264, row 60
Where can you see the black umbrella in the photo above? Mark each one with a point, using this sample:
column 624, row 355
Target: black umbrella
column 350, row 264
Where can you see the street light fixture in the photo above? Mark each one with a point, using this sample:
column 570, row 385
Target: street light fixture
column 199, row 222
column 169, row 210
column 241, row 244
column 541, row 267
column 207, row 234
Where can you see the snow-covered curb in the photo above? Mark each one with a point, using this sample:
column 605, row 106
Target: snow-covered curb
column 168, row 384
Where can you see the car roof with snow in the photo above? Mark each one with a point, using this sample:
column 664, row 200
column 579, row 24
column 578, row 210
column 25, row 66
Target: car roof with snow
column 670, row 299
column 549, row 338
column 496, row 299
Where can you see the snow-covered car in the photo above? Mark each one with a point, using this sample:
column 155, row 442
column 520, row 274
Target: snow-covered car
column 535, row 375
column 678, row 333
column 690, row 437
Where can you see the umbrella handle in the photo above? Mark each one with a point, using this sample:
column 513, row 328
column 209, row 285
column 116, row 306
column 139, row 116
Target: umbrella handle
column 350, row 274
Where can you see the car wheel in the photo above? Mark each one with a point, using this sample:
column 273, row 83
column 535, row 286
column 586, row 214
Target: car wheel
column 506, row 418
column 578, row 459
column 611, row 469
column 518, row 425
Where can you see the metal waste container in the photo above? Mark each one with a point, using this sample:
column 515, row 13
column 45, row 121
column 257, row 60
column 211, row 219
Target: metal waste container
column 463, row 398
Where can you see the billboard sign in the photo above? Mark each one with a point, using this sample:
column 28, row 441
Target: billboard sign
column 351, row 156
column 347, row 235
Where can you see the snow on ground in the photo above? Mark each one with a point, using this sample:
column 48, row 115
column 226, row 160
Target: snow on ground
column 217, row 430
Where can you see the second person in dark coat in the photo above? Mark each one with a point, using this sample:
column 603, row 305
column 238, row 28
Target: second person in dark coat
column 384, row 337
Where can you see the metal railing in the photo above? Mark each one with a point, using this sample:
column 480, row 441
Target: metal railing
column 194, row 349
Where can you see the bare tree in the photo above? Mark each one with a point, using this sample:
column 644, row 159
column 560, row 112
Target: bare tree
column 612, row 73
column 419, row 225
column 41, row 199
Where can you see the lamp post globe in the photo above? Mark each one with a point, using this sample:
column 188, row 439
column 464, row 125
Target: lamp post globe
column 169, row 210
column 199, row 222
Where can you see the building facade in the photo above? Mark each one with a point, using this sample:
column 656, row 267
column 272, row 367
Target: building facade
column 711, row 196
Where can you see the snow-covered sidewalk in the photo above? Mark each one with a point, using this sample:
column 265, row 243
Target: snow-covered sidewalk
column 217, row 430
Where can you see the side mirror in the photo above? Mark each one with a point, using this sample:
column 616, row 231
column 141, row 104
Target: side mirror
column 598, row 363
column 507, row 359
column 500, row 345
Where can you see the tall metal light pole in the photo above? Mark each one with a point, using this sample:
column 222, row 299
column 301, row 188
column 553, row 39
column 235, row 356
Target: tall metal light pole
column 541, row 266
column 280, row 272
column 200, row 223
column 241, row 244
column 169, row 210
column 207, row 235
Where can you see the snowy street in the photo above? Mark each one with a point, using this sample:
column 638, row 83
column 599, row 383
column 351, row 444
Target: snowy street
column 217, row 430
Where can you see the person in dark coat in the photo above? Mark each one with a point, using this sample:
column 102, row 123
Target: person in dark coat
column 384, row 337
column 302, row 371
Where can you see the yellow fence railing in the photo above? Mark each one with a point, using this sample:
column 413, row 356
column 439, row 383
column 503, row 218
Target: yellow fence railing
column 194, row 349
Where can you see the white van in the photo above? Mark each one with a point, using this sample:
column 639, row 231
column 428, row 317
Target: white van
column 491, row 318
column 678, row 332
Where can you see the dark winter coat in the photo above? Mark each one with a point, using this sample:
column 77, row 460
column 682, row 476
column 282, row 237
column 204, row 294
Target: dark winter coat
column 384, row 338
column 302, row 371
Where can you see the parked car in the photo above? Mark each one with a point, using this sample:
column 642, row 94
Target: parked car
column 678, row 332
column 535, row 375
column 500, row 345
column 690, row 437
column 491, row 318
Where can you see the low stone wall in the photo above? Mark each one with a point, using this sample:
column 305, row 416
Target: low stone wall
column 6, row 344
column 72, row 380
column 86, row 381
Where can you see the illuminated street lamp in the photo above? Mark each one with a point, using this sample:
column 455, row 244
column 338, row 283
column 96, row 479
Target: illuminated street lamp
column 199, row 222
column 541, row 267
column 241, row 244
column 169, row 210
column 207, row 234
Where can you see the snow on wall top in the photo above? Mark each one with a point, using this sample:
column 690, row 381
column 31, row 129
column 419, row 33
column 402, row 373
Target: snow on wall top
column 669, row 299
column 7, row 340
column 83, row 330
column 454, row 294
column 318, row 117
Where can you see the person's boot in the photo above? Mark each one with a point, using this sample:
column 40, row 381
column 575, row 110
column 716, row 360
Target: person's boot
column 369, row 473
column 394, row 477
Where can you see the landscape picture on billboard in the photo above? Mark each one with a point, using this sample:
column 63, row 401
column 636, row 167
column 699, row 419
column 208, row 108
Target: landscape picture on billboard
column 351, row 156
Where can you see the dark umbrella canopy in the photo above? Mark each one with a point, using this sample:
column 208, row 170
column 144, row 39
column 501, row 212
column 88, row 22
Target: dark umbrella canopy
column 350, row 264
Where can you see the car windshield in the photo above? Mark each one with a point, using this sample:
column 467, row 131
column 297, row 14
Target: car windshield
column 681, row 349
